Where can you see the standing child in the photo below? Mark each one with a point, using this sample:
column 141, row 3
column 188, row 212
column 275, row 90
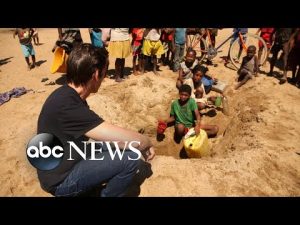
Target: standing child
column 119, row 47
column 152, row 47
column 96, row 37
column 136, row 44
column 179, row 41
column 25, row 37
column 267, row 35
column 167, row 36
column 236, row 34
column 184, row 112
column 249, row 67
column 281, row 42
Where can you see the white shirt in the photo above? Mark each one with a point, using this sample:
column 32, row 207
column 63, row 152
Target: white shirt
column 119, row 34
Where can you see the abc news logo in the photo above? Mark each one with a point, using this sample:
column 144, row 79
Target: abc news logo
column 46, row 152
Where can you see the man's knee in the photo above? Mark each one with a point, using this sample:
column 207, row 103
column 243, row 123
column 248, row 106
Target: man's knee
column 131, row 161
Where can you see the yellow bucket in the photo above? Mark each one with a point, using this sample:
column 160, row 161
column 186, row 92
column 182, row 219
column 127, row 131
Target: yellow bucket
column 196, row 146
column 60, row 61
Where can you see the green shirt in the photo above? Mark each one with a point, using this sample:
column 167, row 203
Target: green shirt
column 184, row 113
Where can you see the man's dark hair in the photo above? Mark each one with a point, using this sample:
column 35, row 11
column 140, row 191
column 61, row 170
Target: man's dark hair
column 185, row 88
column 83, row 62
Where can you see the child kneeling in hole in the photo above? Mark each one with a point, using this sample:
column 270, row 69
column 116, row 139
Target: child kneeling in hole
column 185, row 114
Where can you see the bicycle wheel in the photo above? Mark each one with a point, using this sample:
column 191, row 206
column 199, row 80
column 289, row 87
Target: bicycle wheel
column 200, row 46
column 237, row 51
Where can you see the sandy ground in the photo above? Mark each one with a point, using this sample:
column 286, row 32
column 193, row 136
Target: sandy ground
column 254, row 153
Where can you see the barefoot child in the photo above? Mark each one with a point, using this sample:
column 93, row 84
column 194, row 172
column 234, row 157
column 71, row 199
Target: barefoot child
column 25, row 38
column 152, row 47
column 136, row 44
column 184, row 112
column 249, row 67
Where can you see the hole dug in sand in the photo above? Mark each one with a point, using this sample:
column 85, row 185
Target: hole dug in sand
column 137, row 104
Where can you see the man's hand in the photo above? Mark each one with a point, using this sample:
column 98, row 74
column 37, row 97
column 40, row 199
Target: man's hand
column 149, row 154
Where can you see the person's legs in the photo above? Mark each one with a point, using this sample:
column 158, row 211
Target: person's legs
column 244, row 37
column 179, row 132
column 285, row 62
column 118, row 69
column 87, row 174
column 211, row 130
column 140, row 61
column 28, row 63
column 275, row 50
column 34, row 61
column 122, row 68
column 155, row 65
column 26, row 54
column 297, row 79
column 176, row 58
column 246, row 75
column 32, row 53
column 135, row 72
column 143, row 62
column 181, row 53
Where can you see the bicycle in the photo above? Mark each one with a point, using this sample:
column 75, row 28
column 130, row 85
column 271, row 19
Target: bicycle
column 200, row 41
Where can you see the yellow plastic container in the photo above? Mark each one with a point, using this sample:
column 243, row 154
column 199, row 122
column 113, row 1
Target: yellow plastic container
column 196, row 146
column 60, row 61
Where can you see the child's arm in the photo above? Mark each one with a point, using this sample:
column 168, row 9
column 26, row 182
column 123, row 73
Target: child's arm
column 242, row 65
column 171, row 119
column 198, row 122
column 180, row 77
